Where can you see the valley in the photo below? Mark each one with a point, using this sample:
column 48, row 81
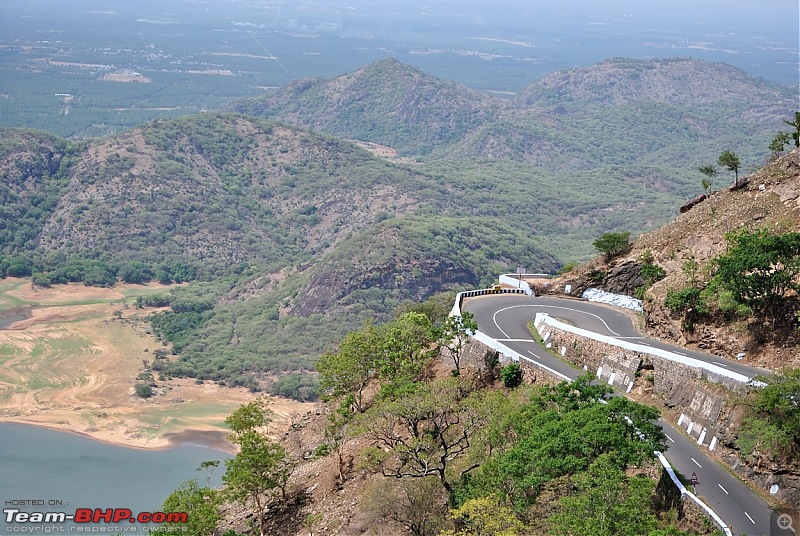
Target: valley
column 71, row 365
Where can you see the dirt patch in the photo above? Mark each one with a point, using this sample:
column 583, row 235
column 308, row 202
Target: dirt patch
column 73, row 367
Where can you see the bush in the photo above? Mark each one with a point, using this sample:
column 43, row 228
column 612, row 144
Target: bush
column 143, row 390
column 511, row 375
column 688, row 301
column 613, row 244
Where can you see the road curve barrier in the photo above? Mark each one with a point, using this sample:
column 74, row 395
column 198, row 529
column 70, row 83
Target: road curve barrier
column 516, row 356
column 544, row 318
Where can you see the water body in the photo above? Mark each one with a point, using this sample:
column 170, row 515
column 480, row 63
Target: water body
column 13, row 315
column 70, row 471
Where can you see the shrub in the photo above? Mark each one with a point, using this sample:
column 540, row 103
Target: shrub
column 613, row 244
column 143, row 390
column 688, row 301
column 511, row 375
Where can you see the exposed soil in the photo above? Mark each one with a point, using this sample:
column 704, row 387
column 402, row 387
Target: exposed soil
column 72, row 365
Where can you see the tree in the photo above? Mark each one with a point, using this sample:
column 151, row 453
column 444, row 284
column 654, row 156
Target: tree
column 773, row 422
column 418, row 505
column 425, row 432
column 689, row 302
column 202, row 505
column 760, row 269
column 613, row 244
column 455, row 333
column 261, row 466
column 484, row 516
column 406, row 346
column 348, row 371
column 729, row 160
column 143, row 390
column 710, row 172
column 607, row 504
column 511, row 375
column 795, row 134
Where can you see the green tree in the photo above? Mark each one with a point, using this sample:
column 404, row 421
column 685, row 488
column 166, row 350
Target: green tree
column 143, row 390
column 511, row 375
column 607, row 504
column 613, row 244
column 406, row 345
column 773, row 422
column 690, row 303
column 781, row 140
column 260, row 467
column 455, row 333
column 710, row 172
column 202, row 505
column 795, row 124
column 424, row 433
column 484, row 516
column 729, row 160
column 760, row 269
column 348, row 371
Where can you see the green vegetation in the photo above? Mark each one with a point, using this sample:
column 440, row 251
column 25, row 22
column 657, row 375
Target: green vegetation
column 202, row 504
column 690, row 303
column 729, row 160
column 773, row 418
column 261, row 467
column 613, row 244
column 760, row 270
column 511, row 375
column 782, row 139
column 757, row 275
column 650, row 272
column 710, row 172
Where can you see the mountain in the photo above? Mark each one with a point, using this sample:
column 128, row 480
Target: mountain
column 297, row 237
column 672, row 81
column 609, row 146
column 386, row 102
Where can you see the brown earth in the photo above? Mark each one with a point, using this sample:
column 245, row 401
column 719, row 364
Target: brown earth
column 769, row 200
column 72, row 365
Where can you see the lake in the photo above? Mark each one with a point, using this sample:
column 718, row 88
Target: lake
column 69, row 471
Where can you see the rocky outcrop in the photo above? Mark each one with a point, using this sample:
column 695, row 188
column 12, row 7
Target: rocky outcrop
column 693, row 202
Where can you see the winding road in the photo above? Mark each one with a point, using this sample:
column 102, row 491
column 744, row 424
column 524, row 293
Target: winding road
column 505, row 318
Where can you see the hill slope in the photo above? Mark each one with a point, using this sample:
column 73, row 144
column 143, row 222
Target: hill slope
column 635, row 130
column 686, row 247
column 386, row 102
column 299, row 237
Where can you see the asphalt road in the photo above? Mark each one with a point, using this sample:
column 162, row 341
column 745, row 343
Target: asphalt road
column 505, row 318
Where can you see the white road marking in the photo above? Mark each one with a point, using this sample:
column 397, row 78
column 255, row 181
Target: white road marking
column 670, row 438
column 697, row 464
column 514, row 340
column 494, row 316
column 723, row 489
column 750, row 518
column 684, row 355
column 534, row 355
column 720, row 364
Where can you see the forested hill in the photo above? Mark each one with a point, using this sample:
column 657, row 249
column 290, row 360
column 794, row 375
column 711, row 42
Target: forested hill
column 296, row 237
column 386, row 102
column 394, row 104
column 612, row 146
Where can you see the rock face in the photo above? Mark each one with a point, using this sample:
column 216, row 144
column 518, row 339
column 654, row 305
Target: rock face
column 693, row 202
column 624, row 278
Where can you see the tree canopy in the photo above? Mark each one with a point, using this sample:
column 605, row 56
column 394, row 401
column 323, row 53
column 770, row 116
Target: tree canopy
column 760, row 269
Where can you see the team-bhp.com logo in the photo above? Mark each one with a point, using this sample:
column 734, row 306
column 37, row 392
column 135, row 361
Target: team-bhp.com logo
column 94, row 515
